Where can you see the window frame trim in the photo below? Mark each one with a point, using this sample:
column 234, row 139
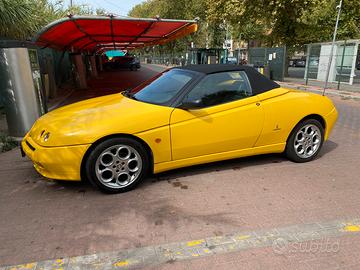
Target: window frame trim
column 186, row 91
column 170, row 103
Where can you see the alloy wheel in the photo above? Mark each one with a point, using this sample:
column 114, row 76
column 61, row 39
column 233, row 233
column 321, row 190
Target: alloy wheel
column 118, row 166
column 307, row 141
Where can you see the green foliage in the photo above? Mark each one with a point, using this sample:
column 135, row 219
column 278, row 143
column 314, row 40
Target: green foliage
column 16, row 18
column 100, row 11
column 321, row 21
column 273, row 22
column 182, row 9
column 6, row 143
column 288, row 22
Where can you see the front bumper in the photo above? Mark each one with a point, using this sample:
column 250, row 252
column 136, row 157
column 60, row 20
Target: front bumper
column 61, row 163
column 330, row 120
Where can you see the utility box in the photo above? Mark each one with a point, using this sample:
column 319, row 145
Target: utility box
column 21, row 88
column 273, row 60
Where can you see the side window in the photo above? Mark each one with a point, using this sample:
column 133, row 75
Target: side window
column 220, row 88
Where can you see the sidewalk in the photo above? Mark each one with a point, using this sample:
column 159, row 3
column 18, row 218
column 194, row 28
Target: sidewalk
column 351, row 92
column 343, row 87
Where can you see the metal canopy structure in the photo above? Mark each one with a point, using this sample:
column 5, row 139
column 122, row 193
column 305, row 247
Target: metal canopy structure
column 96, row 34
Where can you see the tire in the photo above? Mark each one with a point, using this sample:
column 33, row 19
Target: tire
column 117, row 165
column 305, row 141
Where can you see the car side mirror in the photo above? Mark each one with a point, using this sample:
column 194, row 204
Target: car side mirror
column 190, row 104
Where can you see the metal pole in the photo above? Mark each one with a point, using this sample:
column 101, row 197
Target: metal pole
column 71, row 7
column 307, row 66
column 332, row 46
column 341, row 67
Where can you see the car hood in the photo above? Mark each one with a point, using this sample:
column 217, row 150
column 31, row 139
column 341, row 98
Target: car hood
column 87, row 121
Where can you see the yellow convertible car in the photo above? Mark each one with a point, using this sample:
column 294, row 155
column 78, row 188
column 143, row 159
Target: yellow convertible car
column 182, row 117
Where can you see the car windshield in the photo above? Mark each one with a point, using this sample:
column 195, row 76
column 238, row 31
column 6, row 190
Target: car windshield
column 162, row 88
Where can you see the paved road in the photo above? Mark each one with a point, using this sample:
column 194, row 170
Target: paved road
column 296, row 72
column 42, row 219
column 113, row 82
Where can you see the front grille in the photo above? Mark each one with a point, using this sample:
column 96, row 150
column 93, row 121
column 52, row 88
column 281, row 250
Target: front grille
column 30, row 146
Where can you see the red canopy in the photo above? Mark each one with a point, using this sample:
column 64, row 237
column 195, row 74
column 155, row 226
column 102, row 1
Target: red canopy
column 98, row 33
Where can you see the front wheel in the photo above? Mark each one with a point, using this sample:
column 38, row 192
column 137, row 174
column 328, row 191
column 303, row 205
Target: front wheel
column 305, row 141
column 117, row 165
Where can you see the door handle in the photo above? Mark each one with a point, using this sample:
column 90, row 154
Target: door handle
column 257, row 103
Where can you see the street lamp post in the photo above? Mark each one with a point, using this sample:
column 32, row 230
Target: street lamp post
column 338, row 7
column 71, row 6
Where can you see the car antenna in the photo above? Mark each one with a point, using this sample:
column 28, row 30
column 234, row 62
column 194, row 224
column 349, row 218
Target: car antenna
column 338, row 7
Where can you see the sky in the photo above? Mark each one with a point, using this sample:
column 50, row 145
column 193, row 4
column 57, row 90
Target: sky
column 118, row 7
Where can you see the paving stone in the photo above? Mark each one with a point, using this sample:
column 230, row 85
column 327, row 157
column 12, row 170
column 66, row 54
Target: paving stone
column 42, row 220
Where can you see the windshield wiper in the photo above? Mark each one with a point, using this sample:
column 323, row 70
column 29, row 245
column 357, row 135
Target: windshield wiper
column 127, row 93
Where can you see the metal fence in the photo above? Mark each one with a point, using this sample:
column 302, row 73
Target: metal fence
column 166, row 60
column 344, row 70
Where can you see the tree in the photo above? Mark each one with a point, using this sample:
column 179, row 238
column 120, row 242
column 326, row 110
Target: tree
column 271, row 21
column 208, row 33
column 101, row 12
column 321, row 21
column 287, row 22
column 16, row 18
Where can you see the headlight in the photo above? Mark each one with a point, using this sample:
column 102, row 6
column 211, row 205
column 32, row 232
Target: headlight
column 46, row 136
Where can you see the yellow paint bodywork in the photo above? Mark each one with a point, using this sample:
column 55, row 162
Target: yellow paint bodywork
column 61, row 162
column 177, row 138
column 193, row 132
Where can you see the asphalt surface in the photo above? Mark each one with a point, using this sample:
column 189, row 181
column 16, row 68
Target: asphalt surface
column 42, row 219
column 296, row 72
column 114, row 81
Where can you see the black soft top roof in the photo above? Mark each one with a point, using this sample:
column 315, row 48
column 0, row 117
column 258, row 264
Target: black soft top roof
column 259, row 83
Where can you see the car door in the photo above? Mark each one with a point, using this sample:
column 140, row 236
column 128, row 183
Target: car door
column 229, row 117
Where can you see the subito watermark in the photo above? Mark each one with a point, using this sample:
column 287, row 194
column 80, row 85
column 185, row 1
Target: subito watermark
column 322, row 245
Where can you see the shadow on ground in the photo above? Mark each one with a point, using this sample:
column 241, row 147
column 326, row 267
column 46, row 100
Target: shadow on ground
column 232, row 164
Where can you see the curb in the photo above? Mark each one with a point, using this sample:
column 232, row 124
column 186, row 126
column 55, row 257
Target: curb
column 282, row 240
column 329, row 91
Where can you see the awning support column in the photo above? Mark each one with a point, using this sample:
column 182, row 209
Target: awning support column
column 101, row 68
column 81, row 71
column 94, row 72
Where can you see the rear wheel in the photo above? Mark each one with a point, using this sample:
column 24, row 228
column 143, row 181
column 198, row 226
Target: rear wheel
column 117, row 165
column 305, row 141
